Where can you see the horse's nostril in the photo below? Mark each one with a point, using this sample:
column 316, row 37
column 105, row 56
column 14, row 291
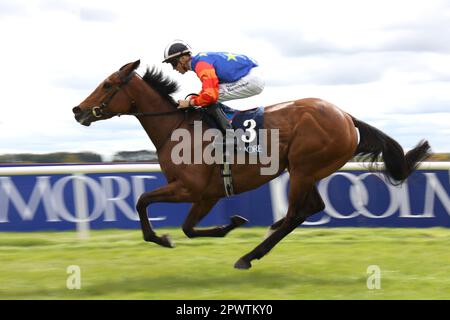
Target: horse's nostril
column 76, row 110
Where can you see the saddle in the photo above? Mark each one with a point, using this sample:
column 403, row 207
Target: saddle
column 247, row 121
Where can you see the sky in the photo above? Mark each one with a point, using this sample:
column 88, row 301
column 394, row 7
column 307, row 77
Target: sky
column 385, row 62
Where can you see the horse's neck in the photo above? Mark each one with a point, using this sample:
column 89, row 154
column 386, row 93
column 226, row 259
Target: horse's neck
column 158, row 128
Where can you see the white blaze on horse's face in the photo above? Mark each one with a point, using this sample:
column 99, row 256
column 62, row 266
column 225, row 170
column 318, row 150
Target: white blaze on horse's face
column 108, row 99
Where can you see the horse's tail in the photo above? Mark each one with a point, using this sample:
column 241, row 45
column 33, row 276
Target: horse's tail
column 398, row 166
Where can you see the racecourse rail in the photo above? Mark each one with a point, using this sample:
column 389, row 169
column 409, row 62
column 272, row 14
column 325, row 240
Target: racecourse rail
column 85, row 196
column 108, row 168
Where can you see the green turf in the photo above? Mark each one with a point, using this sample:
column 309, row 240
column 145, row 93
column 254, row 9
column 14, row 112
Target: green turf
column 308, row 264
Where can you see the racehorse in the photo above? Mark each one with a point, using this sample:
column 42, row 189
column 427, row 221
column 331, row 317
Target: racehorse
column 316, row 138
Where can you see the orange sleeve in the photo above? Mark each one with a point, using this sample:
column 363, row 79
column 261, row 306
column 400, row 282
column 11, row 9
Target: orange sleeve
column 210, row 84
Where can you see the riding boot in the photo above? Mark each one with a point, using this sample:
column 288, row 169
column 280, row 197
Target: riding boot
column 216, row 112
column 219, row 116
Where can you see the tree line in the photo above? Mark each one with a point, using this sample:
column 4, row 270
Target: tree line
column 79, row 157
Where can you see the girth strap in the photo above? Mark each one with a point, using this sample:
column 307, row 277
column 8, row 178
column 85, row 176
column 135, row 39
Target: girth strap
column 227, row 179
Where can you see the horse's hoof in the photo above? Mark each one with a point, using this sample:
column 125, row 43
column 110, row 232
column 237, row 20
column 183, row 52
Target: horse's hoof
column 242, row 264
column 166, row 241
column 238, row 220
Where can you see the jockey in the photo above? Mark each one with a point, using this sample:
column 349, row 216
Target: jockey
column 224, row 76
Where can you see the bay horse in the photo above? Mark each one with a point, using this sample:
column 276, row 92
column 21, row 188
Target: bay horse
column 316, row 138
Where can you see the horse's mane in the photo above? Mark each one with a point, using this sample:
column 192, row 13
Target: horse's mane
column 156, row 79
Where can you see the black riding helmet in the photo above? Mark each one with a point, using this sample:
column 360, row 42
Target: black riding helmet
column 176, row 49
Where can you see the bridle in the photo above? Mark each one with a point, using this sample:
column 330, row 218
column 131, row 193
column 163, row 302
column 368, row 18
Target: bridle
column 101, row 110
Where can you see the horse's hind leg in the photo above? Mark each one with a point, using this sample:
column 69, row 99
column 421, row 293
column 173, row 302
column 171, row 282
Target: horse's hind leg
column 304, row 200
column 274, row 227
column 198, row 211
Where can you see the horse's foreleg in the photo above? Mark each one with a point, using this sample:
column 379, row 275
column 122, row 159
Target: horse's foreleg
column 172, row 192
column 198, row 211
column 304, row 200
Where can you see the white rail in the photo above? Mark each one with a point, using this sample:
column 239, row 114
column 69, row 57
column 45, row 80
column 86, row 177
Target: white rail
column 79, row 169
column 110, row 168
column 444, row 165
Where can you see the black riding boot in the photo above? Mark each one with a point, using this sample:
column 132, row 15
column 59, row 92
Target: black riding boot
column 219, row 116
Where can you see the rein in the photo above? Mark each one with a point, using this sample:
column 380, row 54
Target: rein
column 99, row 111
column 138, row 114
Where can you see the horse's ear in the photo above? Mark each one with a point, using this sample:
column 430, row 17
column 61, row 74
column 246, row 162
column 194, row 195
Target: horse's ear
column 136, row 64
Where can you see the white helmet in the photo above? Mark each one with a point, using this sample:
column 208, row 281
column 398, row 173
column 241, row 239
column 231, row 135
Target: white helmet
column 175, row 49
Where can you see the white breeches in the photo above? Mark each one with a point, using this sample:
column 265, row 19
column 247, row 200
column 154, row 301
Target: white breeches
column 250, row 85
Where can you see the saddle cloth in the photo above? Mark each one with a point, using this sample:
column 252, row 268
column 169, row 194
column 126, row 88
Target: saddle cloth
column 238, row 117
column 247, row 120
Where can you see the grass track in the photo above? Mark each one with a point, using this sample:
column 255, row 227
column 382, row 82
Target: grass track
column 308, row 264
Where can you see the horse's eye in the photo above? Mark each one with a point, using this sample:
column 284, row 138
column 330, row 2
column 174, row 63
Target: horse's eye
column 107, row 85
